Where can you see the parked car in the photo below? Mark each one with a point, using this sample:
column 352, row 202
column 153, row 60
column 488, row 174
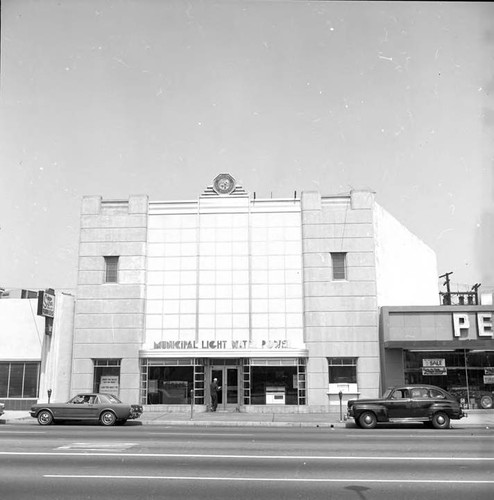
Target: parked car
column 104, row 408
column 422, row 403
column 2, row 406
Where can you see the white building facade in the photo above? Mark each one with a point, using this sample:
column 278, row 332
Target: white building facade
column 277, row 298
column 35, row 359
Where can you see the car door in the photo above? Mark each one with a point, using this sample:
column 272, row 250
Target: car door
column 398, row 403
column 84, row 408
column 91, row 410
column 419, row 402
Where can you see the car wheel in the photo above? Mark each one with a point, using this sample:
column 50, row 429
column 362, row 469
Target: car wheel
column 440, row 420
column 45, row 417
column 367, row 420
column 108, row 418
column 486, row 402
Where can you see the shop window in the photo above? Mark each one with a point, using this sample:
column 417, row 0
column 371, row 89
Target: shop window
column 19, row 380
column 467, row 375
column 275, row 384
column 111, row 269
column 338, row 260
column 107, row 376
column 170, row 381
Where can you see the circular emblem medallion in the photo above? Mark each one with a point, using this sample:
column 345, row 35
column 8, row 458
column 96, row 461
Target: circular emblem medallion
column 224, row 184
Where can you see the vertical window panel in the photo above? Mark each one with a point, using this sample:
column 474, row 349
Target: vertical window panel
column 31, row 380
column 16, row 380
column 339, row 265
column 111, row 269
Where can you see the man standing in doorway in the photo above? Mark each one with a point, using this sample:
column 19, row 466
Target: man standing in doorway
column 214, row 388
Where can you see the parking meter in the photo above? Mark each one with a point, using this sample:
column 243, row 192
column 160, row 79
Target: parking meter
column 340, row 395
column 49, row 394
column 191, row 404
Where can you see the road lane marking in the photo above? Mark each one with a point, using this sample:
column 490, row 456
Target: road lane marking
column 252, row 457
column 200, row 434
column 99, row 446
column 277, row 480
column 22, row 432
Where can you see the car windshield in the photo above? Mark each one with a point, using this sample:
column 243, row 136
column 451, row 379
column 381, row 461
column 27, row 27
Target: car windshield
column 387, row 393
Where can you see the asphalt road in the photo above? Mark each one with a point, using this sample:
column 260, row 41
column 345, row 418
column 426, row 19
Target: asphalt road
column 159, row 462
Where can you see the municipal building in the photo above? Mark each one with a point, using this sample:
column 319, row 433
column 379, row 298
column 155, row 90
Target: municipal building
column 277, row 298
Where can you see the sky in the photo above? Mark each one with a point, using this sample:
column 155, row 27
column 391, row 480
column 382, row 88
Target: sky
column 121, row 97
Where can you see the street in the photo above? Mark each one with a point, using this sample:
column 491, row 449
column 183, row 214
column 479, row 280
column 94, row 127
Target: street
column 148, row 462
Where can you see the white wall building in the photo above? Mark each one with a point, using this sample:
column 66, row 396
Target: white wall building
column 32, row 361
column 277, row 298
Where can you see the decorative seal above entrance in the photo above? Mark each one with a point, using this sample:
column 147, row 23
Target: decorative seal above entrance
column 224, row 184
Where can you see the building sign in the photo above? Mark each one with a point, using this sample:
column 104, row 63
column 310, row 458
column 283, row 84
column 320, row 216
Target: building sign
column 109, row 384
column 220, row 344
column 432, row 367
column 461, row 325
column 46, row 303
column 488, row 375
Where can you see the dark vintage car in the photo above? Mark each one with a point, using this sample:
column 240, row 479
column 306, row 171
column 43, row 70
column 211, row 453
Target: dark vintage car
column 104, row 408
column 422, row 403
column 2, row 406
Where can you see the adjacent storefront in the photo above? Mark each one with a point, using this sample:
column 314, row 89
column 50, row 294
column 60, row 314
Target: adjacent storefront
column 448, row 346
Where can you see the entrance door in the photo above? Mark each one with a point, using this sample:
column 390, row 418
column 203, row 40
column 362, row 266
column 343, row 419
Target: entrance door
column 228, row 380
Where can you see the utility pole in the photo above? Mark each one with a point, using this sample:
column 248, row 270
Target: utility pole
column 475, row 288
column 448, row 289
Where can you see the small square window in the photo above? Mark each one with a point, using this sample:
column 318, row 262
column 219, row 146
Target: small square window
column 111, row 269
column 338, row 260
column 342, row 370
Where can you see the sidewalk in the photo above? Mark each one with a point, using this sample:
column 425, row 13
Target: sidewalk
column 476, row 418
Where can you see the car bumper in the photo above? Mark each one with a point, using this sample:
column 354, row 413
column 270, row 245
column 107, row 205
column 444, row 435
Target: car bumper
column 135, row 412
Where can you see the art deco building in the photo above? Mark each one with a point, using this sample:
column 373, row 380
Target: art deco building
column 277, row 298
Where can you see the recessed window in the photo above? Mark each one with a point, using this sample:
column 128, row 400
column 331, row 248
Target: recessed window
column 342, row 370
column 107, row 376
column 338, row 260
column 111, row 269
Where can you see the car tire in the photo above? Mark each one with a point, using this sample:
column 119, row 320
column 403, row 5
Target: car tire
column 45, row 417
column 367, row 420
column 440, row 420
column 108, row 418
column 486, row 402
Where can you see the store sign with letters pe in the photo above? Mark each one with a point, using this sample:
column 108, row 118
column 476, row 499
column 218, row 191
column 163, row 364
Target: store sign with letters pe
column 432, row 367
column 461, row 325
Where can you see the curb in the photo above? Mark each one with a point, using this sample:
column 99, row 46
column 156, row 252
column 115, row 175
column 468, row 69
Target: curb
column 199, row 423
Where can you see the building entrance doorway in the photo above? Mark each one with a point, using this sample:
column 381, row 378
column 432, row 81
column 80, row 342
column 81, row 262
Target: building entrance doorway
column 228, row 380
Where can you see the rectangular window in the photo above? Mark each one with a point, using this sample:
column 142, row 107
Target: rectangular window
column 342, row 370
column 111, row 269
column 19, row 379
column 338, row 260
column 107, row 376
column 170, row 381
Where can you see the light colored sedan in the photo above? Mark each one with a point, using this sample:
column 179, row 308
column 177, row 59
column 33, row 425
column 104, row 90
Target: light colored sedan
column 103, row 408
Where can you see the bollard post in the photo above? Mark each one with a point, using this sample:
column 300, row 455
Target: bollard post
column 49, row 395
column 192, row 404
column 340, row 395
